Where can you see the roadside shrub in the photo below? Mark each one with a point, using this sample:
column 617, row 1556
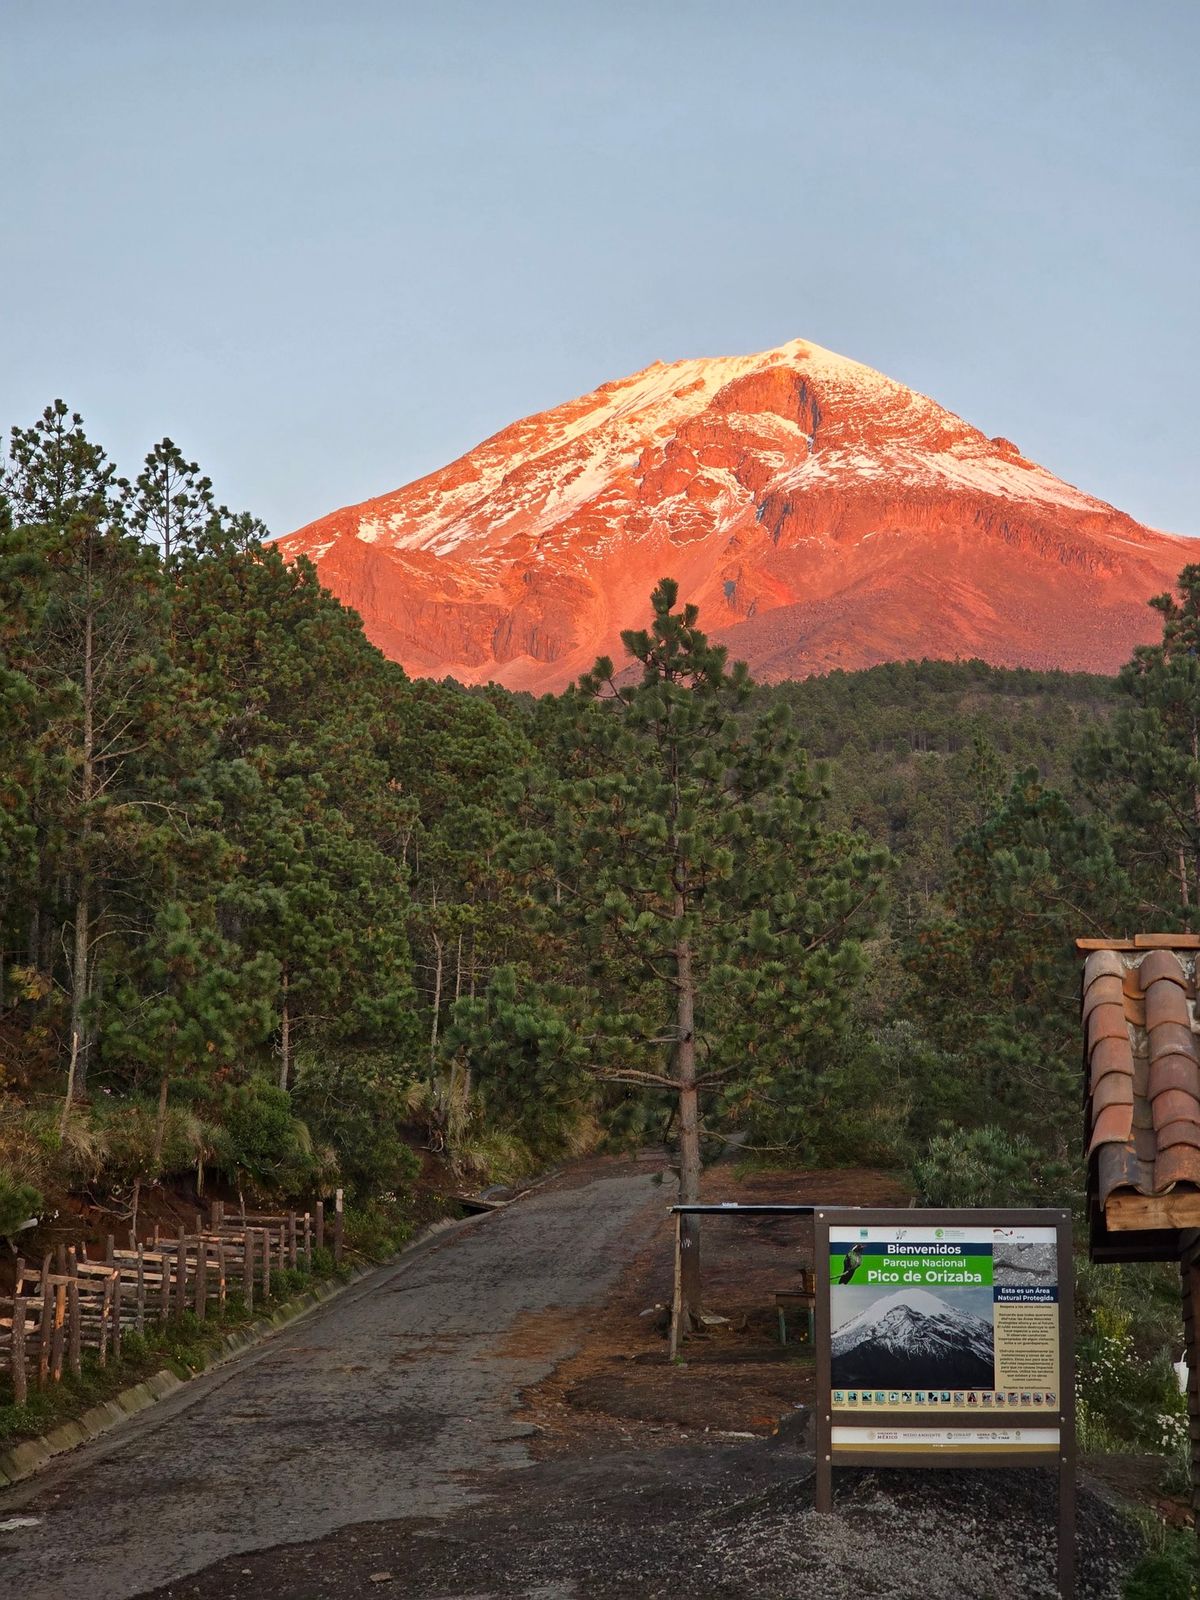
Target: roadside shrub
column 377, row 1230
column 127, row 1129
column 1169, row 1573
column 987, row 1167
column 259, row 1140
column 360, row 1111
column 1124, row 1398
column 18, row 1202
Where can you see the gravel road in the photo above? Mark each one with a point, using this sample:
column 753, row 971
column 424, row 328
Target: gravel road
column 379, row 1406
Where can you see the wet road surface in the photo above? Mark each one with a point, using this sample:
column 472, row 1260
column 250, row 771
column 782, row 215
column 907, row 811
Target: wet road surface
column 375, row 1407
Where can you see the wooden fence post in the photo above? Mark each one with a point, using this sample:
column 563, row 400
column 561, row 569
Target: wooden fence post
column 181, row 1274
column 248, row 1268
column 293, row 1259
column 74, row 1318
column 20, row 1374
column 116, row 1316
column 307, row 1241
column 338, row 1222
column 320, row 1224
column 220, row 1254
column 105, row 1314
column 201, row 1279
column 141, row 1289
column 164, row 1286
column 266, row 1275
column 44, row 1329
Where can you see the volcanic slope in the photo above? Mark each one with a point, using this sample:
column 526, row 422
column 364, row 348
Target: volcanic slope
column 820, row 514
column 912, row 1337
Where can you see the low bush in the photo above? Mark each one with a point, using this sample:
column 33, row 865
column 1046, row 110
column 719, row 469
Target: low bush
column 19, row 1202
column 988, row 1167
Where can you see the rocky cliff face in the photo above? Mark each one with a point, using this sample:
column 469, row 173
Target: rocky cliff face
column 819, row 514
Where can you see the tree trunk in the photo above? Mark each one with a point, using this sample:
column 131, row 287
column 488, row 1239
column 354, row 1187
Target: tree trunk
column 160, row 1126
column 437, row 1003
column 689, row 1129
column 70, row 1094
column 82, row 942
column 285, row 1040
column 79, row 988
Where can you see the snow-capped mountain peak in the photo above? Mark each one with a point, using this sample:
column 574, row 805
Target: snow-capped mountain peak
column 820, row 513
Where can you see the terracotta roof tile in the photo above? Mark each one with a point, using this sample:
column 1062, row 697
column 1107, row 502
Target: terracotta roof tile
column 1171, row 1039
column 1173, row 1106
column 1112, row 1125
column 1174, row 1072
column 1142, row 1066
column 1166, row 1002
column 1114, row 1089
column 1177, row 1165
column 1161, row 964
column 1184, row 1131
column 1106, row 1022
column 1105, row 991
column 1103, row 963
column 1111, row 1055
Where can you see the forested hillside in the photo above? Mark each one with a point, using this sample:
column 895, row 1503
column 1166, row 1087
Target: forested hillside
column 272, row 915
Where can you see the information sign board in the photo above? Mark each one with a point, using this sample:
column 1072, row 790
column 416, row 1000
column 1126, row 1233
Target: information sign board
column 944, row 1338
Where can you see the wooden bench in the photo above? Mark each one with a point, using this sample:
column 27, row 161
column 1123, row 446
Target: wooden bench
column 800, row 1301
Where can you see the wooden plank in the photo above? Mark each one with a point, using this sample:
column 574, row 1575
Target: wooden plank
column 338, row 1225
column 293, row 1258
column 20, row 1371
column 1127, row 1212
column 164, row 1305
column 1105, row 944
column 74, row 1339
column 117, row 1286
column 308, row 1243
column 201, row 1294
column 320, row 1224
column 181, row 1266
column 141, row 1289
column 1166, row 941
column 44, row 1329
column 104, row 1321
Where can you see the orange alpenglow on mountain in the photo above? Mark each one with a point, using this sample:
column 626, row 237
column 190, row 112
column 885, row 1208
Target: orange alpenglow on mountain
column 819, row 514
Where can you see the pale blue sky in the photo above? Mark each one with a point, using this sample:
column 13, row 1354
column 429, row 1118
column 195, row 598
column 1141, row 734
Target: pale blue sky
column 329, row 247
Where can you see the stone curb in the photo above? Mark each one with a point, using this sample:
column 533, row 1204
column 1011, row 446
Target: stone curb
column 31, row 1455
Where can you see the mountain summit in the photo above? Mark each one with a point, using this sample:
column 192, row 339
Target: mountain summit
column 914, row 1339
column 820, row 514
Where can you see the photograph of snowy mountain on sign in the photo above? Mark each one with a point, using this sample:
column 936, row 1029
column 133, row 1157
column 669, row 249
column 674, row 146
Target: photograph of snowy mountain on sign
column 910, row 1339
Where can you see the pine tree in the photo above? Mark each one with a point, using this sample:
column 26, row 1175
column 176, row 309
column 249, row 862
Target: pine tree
column 688, row 856
column 95, row 655
column 1143, row 771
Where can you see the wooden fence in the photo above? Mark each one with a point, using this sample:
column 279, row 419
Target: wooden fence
column 71, row 1304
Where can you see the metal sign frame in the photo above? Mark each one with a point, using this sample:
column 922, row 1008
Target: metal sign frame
column 829, row 1457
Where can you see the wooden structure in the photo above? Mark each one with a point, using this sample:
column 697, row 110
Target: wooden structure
column 910, row 1416
column 1141, row 1060
column 800, row 1302
column 686, row 1215
column 69, row 1304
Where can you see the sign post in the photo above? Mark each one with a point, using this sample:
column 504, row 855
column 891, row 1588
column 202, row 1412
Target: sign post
column 946, row 1339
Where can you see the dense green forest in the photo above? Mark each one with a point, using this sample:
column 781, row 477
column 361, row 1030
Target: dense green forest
column 273, row 916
